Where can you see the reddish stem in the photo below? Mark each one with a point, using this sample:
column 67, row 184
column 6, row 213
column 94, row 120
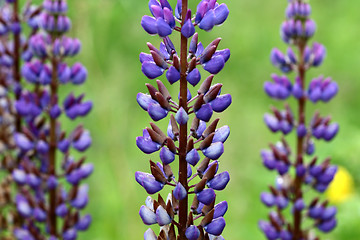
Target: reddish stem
column 16, row 56
column 52, row 151
column 183, row 205
column 300, row 143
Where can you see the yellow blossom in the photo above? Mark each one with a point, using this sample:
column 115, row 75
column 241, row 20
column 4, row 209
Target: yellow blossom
column 342, row 187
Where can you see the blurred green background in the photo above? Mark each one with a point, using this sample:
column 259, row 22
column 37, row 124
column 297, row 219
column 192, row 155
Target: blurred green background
column 112, row 40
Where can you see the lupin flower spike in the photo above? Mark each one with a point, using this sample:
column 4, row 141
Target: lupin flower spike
column 13, row 49
column 50, row 195
column 308, row 171
column 204, row 136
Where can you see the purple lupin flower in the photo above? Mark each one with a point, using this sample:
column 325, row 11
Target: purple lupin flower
column 13, row 49
column 296, row 31
column 204, row 137
column 49, row 193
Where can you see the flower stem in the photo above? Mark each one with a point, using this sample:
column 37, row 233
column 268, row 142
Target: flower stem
column 183, row 205
column 300, row 143
column 16, row 57
column 52, row 151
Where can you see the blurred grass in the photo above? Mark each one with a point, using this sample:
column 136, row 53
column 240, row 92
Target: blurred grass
column 112, row 40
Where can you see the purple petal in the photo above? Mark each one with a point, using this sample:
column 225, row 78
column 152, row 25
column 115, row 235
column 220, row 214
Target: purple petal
column 145, row 57
column 225, row 53
column 61, row 210
column 172, row 75
column 221, row 13
column 153, row 3
column 23, row 142
column 180, row 192
column 299, row 205
column 301, row 130
column 208, row 21
column 188, row 29
column 329, row 213
column 221, row 102
column 78, row 74
column 144, row 100
column 166, row 156
column 85, row 108
column 272, row 122
column 220, row 209
column 42, row 147
column 216, row 226
column 162, row 216
column 150, row 235
column 221, row 134
column 70, row 234
column 156, row 112
column 199, row 50
column 268, row 199
column 329, row 92
column 192, row 233
column 214, row 151
column 147, row 215
column 201, row 129
column 39, row 215
column 86, row 170
column 157, row 11
column 194, row 77
column 220, row 181
column 146, row 145
column 151, row 185
column 169, row 17
column 327, row 226
column 23, row 206
column 215, row 65
column 83, row 142
column 281, row 202
column 319, row 131
column 181, row 116
column 189, row 171
column 74, row 177
column 151, row 70
column 165, row 4
column 205, row 112
column 19, row 176
column 149, row 24
column 310, row 28
column 83, row 223
column 315, row 94
column 163, row 27
column 193, row 157
column 206, row 196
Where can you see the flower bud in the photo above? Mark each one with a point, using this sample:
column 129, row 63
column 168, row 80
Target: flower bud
column 206, row 196
column 83, row 223
column 193, row 157
column 162, row 217
column 70, row 234
column 192, row 233
column 179, row 192
column 220, row 209
column 220, row 181
column 216, row 226
column 147, row 215
column 150, row 235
